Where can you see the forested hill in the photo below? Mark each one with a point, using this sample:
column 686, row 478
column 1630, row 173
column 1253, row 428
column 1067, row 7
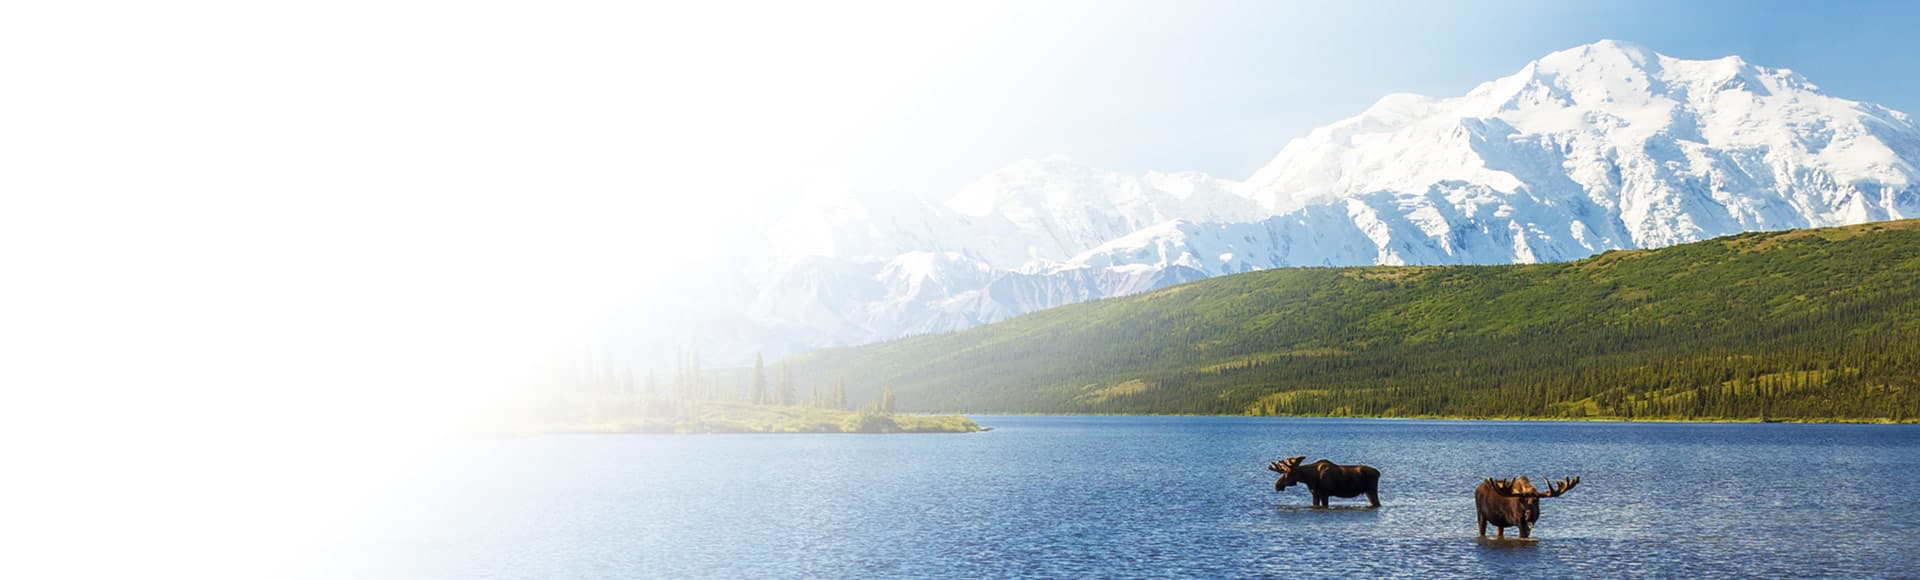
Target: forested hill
column 1804, row 324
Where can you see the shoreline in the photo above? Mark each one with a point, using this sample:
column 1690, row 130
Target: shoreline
column 1784, row 421
column 962, row 422
column 938, row 424
column 972, row 426
column 724, row 417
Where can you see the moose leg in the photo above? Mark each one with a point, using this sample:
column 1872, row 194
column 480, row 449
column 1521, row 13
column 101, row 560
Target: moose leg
column 1526, row 530
column 1373, row 497
column 1483, row 526
column 1500, row 531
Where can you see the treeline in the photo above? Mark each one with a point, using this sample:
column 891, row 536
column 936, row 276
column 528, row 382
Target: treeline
column 595, row 387
column 1808, row 324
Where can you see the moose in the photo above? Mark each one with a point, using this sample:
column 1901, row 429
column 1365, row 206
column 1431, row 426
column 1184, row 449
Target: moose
column 1514, row 502
column 1324, row 479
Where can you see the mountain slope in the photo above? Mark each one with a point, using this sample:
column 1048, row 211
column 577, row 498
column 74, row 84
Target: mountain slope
column 853, row 270
column 1799, row 324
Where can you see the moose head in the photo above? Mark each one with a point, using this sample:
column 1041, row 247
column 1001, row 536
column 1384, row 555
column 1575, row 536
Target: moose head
column 1285, row 468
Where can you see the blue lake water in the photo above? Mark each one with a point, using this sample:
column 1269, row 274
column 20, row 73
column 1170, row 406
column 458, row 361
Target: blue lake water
column 1156, row 496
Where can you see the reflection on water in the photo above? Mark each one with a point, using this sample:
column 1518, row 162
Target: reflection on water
column 1156, row 496
column 1507, row 543
column 1327, row 510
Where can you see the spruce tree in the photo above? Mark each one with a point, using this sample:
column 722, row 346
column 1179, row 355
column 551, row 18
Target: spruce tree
column 759, row 380
column 785, row 394
column 680, row 376
column 697, row 387
column 611, row 368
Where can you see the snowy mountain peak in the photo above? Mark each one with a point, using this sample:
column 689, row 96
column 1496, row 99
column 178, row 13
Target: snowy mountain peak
column 1027, row 181
column 1040, row 211
column 1603, row 121
column 1605, row 52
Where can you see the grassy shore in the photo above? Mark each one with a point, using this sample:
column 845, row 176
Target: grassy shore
column 1607, row 419
column 730, row 417
column 1543, row 418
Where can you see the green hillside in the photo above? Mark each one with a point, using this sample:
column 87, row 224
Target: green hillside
column 1806, row 324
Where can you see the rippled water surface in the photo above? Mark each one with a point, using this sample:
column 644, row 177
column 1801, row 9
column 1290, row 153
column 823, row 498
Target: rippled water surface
column 1138, row 496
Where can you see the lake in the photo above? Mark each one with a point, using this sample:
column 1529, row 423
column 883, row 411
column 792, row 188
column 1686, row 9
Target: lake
column 1155, row 496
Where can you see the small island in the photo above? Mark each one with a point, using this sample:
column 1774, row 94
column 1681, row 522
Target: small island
column 601, row 399
column 738, row 417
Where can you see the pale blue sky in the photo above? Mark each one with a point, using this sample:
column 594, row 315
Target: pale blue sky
column 1221, row 86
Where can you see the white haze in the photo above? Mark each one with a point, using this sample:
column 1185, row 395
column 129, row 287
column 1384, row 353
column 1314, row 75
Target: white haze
column 255, row 251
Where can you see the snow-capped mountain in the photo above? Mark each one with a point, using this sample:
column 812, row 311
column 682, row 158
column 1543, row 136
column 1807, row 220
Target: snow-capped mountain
column 850, row 269
column 1029, row 215
column 1599, row 147
column 1051, row 209
column 1604, row 146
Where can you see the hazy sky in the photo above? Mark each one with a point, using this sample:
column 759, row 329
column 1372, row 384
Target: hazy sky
column 1221, row 86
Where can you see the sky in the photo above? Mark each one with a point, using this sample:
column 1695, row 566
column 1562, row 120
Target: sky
column 1221, row 86
column 222, row 217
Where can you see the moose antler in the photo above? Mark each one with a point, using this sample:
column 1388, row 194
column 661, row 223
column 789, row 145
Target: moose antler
column 1556, row 488
column 1507, row 487
column 1499, row 486
column 1285, row 464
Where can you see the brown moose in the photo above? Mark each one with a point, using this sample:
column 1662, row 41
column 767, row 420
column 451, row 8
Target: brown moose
column 1324, row 479
column 1514, row 502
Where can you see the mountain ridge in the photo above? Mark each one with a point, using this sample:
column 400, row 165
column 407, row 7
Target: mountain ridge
column 1808, row 324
